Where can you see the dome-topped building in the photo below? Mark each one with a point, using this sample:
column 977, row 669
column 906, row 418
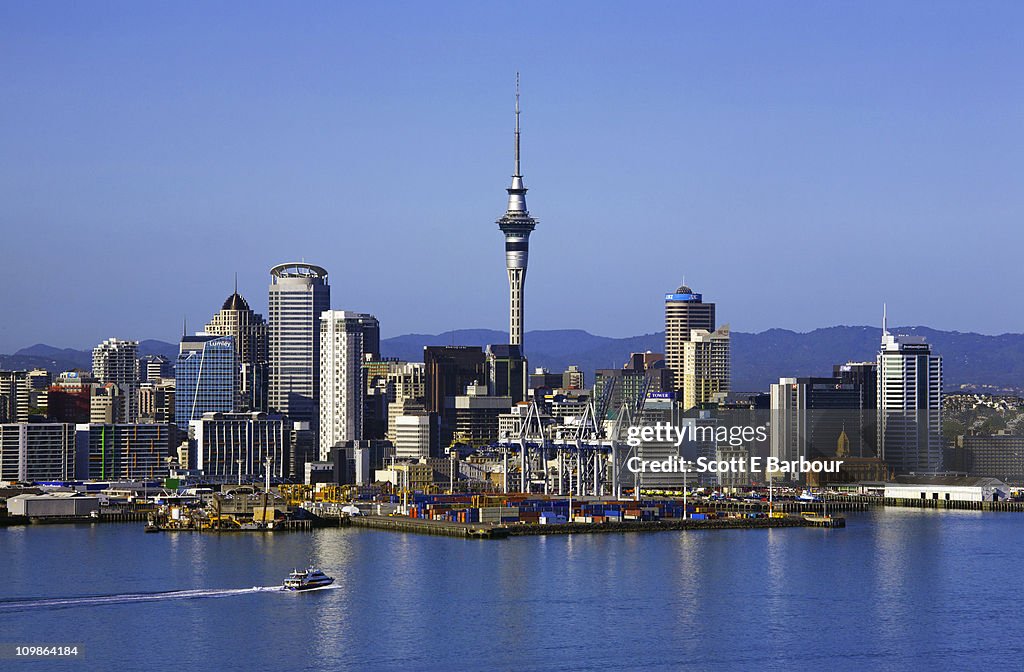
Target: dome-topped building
column 249, row 330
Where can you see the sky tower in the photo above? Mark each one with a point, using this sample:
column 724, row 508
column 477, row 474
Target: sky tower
column 516, row 224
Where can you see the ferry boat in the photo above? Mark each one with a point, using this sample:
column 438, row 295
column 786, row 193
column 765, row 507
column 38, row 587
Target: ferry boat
column 307, row 579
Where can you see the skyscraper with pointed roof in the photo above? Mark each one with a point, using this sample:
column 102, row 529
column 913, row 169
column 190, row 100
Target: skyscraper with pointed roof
column 249, row 329
column 516, row 224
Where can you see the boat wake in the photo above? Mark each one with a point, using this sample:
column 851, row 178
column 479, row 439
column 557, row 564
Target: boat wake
column 30, row 604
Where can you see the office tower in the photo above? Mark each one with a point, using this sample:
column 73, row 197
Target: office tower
column 204, row 377
column 685, row 311
column 542, row 378
column 155, row 367
column 122, row 451
column 299, row 294
column 43, row 451
column 811, row 415
column 449, row 370
column 222, row 439
column 116, row 361
column 249, row 330
column 909, row 404
column 705, row 367
column 516, row 224
column 643, row 375
column 14, row 396
column 506, row 371
column 371, row 336
column 475, row 414
column 998, row 455
column 572, row 378
column 865, row 376
column 341, row 384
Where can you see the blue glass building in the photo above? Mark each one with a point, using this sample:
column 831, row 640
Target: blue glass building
column 205, row 377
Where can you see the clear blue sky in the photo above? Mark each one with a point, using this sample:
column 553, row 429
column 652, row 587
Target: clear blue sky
column 799, row 163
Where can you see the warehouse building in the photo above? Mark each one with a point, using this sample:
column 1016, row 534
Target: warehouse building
column 949, row 488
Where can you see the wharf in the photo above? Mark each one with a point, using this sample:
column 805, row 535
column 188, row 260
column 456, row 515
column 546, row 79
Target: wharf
column 490, row 531
column 677, row 524
column 424, row 526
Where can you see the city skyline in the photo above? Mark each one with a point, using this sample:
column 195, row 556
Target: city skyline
column 680, row 139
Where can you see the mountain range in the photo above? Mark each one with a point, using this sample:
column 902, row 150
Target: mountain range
column 986, row 363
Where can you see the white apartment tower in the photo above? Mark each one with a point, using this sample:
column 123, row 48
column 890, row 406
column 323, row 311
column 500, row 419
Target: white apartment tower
column 909, row 404
column 341, row 385
column 116, row 361
column 705, row 367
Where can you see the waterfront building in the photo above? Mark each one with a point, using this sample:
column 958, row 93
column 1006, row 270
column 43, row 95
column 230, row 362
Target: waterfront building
column 705, row 367
column 865, row 376
column 685, row 312
column 909, row 404
column 810, row 414
column 250, row 332
column 298, row 296
column 122, row 451
column 416, row 435
column 516, row 224
column 204, row 377
column 341, row 384
column 116, row 361
column 220, row 440
column 43, row 451
column 948, row 488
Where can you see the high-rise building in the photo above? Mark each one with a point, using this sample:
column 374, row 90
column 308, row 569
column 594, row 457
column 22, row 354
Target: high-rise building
column 506, row 371
column 155, row 367
column 43, row 451
column 865, row 376
column 116, row 361
column 705, row 367
column 810, row 415
column 249, row 330
column 299, row 294
column 106, row 404
column 909, row 404
column 122, row 451
column 341, row 383
column 643, row 375
column 685, row 311
column 221, row 440
column 516, row 224
column 572, row 378
column 449, row 370
column 14, row 396
column 204, row 377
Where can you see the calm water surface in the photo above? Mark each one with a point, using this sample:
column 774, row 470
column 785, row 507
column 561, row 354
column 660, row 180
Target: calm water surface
column 899, row 589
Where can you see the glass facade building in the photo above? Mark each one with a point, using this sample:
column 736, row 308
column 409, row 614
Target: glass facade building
column 205, row 378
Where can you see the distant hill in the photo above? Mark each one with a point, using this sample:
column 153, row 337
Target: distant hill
column 990, row 363
column 758, row 360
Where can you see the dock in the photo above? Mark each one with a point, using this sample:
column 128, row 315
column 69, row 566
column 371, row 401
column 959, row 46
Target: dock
column 438, row 527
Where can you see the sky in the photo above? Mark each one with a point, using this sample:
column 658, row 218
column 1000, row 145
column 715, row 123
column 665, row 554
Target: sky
column 798, row 163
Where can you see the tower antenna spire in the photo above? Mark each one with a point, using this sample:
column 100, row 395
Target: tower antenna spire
column 517, row 172
column 885, row 320
column 236, row 282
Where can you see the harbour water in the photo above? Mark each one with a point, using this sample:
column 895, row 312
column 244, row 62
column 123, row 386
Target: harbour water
column 895, row 589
